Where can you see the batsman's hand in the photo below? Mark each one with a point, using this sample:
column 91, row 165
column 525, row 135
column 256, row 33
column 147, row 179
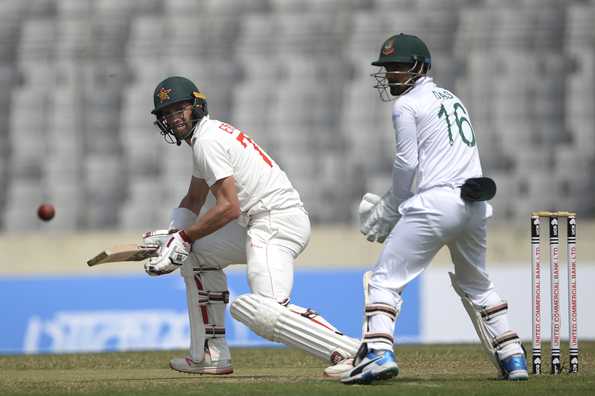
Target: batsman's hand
column 172, row 255
column 378, row 216
column 157, row 237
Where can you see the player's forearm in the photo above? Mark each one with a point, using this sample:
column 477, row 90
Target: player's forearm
column 215, row 218
column 402, row 180
column 406, row 152
column 192, row 204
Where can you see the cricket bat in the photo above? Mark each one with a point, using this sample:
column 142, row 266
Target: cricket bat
column 129, row 252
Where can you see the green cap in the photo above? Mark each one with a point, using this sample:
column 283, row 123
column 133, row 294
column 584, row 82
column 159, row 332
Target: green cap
column 173, row 90
column 403, row 48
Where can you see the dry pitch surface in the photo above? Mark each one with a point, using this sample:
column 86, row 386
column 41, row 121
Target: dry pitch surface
column 425, row 370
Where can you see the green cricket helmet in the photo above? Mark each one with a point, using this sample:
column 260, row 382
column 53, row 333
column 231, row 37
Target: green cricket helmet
column 402, row 54
column 175, row 90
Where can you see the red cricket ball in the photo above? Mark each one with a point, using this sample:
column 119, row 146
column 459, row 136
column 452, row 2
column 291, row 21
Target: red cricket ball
column 46, row 212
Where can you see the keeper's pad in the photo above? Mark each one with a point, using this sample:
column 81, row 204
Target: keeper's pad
column 293, row 325
column 207, row 295
column 484, row 318
column 380, row 339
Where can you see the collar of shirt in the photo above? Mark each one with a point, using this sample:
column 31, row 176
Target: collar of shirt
column 200, row 127
column 423, row 80
column 418, row 83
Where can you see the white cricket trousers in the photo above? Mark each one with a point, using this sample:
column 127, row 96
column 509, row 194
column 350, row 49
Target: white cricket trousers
column 430, row 220
column 268, row 245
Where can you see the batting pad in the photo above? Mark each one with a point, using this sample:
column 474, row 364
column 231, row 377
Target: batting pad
column 491, row 326
column 295, row 326
column 207, row 295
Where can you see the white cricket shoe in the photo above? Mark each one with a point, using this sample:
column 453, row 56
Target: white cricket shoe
column 375, row 365
column 187, row 365
column 340, row 369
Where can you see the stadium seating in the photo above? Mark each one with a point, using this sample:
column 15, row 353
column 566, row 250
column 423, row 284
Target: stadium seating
column 77, row 78
column 23, row 195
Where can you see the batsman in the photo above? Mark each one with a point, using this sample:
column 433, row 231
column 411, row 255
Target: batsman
column 257, row 219
column 435, row 147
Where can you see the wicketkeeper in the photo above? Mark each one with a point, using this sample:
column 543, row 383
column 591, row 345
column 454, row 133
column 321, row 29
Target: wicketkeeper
column 436, row 147
column 258, row 219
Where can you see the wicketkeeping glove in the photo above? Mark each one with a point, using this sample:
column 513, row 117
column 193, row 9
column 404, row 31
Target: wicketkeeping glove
column 366, row 205
column 377, row 222
column 172, row 255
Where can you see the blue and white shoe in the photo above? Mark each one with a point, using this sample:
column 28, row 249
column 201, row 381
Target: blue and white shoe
column 374, row 366
column 514, row 368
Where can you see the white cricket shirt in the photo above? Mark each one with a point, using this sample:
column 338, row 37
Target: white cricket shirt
column 220, row 150
column 435, row 141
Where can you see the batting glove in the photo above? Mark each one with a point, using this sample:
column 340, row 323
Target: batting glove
column 157, row 237
column 377, row 222
column 171, row 255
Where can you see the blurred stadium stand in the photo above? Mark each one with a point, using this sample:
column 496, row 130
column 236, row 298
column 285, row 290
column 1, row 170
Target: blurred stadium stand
column 77, row 78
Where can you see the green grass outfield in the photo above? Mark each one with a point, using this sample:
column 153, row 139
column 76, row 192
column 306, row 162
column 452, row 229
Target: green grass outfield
column 425, row 370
